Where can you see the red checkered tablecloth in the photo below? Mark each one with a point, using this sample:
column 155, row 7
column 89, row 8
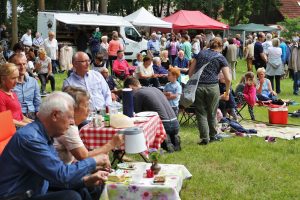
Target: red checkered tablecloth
column 96, row 137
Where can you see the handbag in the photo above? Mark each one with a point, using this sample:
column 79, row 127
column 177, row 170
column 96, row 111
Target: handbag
column 188, row 95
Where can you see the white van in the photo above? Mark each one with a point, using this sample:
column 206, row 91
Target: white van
column 67, row 24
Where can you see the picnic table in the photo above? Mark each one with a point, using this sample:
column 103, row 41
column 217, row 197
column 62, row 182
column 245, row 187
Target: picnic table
column 153, row 130
column 146, row 189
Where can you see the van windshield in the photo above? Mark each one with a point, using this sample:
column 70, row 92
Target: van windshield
column 132, row 34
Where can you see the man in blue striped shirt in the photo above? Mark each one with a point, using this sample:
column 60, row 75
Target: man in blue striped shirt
column 27, row 88
column 89, row 80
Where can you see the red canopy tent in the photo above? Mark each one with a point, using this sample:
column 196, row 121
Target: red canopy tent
column 186, row 19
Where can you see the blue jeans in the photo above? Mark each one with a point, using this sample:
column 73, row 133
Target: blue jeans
column 172, row 129
column 63, row 194
column 54, row 66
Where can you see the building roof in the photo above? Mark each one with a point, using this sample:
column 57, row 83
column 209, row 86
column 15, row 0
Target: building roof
column 290, row 8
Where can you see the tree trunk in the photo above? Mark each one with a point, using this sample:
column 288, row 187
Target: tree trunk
column 85, row 6
column 103, row 6
column 41, row 5
column 161, row 7
column 81, row 5
column 168, row 7
column 14, row 22
column 3, row 12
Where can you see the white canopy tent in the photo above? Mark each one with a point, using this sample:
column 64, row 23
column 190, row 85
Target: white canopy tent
column 142, row 17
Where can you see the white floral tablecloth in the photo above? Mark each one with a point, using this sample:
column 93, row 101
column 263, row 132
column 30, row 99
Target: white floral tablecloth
column 145, row 189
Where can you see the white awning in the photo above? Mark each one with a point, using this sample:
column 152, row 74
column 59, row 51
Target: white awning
column 91, row 19
column 142, row 17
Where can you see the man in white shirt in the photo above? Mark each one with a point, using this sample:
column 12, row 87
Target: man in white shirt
column 51, row 47
column 38, row 41
column 26, row 38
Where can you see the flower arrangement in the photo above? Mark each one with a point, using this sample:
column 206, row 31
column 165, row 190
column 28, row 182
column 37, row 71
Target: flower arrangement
column 154, row 155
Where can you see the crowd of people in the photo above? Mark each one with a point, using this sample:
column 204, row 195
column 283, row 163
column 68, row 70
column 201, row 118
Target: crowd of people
column 52, row 126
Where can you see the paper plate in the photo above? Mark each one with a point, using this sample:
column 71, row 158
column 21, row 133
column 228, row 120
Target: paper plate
column 126, row 166
column 146, row 114
column 140, row 119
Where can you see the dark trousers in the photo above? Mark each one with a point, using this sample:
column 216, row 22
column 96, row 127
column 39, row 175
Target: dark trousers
column 277, row 81
column 91, row 193
column 296, row 77
column 259, row 65
column 59, row 195
column 43, row 78
column 172, row 59
column 110, row 60
column 54, row 66
column 149, row 82
column 172, row 142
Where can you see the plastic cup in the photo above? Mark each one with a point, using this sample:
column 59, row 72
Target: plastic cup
column 136, row 176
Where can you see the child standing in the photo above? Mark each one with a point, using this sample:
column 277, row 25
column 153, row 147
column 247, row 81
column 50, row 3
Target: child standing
column 249, row 93
column 173, row 89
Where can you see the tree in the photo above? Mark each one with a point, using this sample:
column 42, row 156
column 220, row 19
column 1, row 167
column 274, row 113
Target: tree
column 14, row 23
column 3, row 11
column 103, row 6
column 41, row 5
column 211, row 8
column 237, row 11
column 291, row 27
column 265, row 7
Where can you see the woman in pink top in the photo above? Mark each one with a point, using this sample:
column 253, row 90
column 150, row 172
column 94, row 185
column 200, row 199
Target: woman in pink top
column 113, row 47
column 249, row 94
column 9, row 74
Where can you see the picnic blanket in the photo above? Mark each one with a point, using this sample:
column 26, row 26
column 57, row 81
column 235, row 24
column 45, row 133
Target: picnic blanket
column 263, row 130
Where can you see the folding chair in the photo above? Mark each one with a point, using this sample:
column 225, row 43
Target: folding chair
column 239, row 110
column 118, row 78
column 187, row 115
column 7, row 129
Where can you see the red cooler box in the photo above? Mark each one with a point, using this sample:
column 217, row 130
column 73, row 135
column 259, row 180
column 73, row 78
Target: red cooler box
column 278, row 114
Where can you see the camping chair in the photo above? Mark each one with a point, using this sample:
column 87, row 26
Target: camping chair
column 187, row 115
column 118, row 78
column 7, row 130
column 239, row 110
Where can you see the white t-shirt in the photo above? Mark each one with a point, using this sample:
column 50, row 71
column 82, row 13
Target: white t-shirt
column 26, row 40
column 45, row 63
column 51, row 47
column 67, row 142
column 144, row 71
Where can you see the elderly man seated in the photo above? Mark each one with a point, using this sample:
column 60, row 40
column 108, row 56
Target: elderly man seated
column 121, row 67
column 89, row 80
column 161, row 72
column 32, row 162
column 181, row 62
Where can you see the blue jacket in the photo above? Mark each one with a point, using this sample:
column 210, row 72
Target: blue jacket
column 29, row 162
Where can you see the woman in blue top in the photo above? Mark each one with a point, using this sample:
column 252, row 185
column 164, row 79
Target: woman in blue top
column 264, row 91
column 208, row 93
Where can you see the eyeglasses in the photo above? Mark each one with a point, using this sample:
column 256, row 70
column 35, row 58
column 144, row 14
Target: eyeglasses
column 83, row 61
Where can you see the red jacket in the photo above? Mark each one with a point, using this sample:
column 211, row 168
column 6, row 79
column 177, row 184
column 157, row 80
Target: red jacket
column 250, row 94
column 122, row 66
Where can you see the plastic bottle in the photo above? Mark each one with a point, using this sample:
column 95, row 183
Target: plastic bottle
column 107, row 118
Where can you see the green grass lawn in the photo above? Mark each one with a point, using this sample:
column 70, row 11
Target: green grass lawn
column 239, row 168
